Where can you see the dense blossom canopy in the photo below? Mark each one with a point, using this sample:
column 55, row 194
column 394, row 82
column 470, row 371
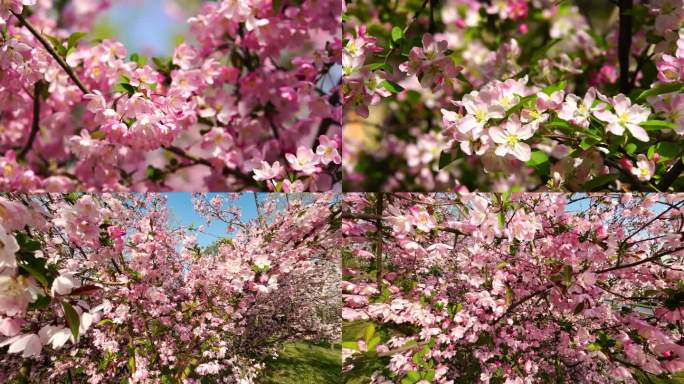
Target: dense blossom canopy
column 524, row 94
column 249, row 101
column 513, row 288
column 105, row 288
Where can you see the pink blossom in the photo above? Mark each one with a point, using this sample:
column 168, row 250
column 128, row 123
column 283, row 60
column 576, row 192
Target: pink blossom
column 268, row 171
column 510, row 138
column 626, row 116
column 305, row 161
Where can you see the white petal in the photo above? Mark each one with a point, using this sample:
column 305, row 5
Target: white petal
column 638, row 132
column 497, row 135
column 522, row 151
column 501, row 150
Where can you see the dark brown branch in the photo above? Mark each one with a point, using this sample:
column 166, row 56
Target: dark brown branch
column 196, row 160
column 35, row 126
column 671, row 175
column 642, row 261
column 519, row 303
column 52, row 52
column 378, row 245
column 625, row 44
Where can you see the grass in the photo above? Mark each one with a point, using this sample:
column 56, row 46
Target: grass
column 304, row 363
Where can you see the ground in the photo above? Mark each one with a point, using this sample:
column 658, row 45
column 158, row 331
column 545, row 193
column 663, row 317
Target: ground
column 304, row 363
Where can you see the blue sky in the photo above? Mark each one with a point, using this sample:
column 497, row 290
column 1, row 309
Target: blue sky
column 143, row 26
column 180, row 204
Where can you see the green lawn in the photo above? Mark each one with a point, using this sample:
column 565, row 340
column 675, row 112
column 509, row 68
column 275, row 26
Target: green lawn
column 304, row 363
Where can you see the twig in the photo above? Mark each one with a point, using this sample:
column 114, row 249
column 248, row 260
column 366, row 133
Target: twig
column 52, row 52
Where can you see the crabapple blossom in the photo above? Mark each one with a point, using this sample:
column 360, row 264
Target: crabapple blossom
column 268, row 171
column 305, row 161
column 510, row 137
column 254, row 82
column 595, row 97
column 644, row 169
column 107, row 288
column 515, row 287
column 626, row 116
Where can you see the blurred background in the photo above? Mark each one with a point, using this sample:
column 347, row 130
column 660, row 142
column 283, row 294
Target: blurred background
column 150, row 27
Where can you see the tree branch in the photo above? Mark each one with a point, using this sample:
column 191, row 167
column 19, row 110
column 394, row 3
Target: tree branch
column 378, row 245
column 519, row 303
column 52, row 52
column 671, row 175
column 625, row 44
column 642, row 261
column 35, row 126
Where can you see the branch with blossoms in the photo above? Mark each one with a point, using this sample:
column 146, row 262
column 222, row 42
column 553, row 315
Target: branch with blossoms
column 514, row 95
column 223, row 113
column 104, row 287
column 579, row 288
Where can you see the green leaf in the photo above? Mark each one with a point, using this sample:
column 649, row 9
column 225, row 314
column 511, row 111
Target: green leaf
column 659, row 90
column 446, row 158
column 540, row 161
column 26, row 243
column 74, row 38
column 391, row 86
column 72, row 318
column 57, row 43
column 154, row 174
column 397, row 34
column 413, row 375
column 131, row 363
column 139, row 59
column 368, row 334
column 666, row 150
column 599, row 181
column 588, row 142
column 276, row 6
column 657, row 125
column 378, row 66
column 567, row 275
column 37, row 274
column 555, row 87
column 373, row 342
column 630, row 148
column 125, row 87
column 41, row 302
column 350, row 345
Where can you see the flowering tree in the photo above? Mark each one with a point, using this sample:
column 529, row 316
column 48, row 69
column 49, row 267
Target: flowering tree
column 530, row 95
column 102, row 288
column 251, row 102
column 513, row 288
